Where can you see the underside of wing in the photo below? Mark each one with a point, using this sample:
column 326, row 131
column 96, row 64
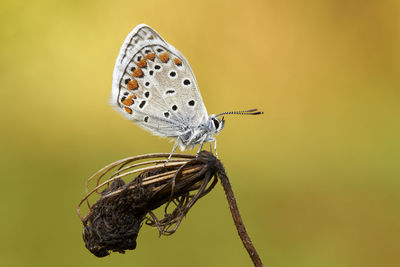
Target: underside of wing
column 154, row 86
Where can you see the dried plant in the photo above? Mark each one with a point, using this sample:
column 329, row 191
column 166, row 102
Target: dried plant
column 129, row 190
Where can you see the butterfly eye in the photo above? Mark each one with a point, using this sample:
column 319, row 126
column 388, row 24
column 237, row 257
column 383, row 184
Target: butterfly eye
column 216, row 123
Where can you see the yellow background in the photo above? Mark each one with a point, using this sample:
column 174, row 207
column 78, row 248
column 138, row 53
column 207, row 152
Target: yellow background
column 317, row 177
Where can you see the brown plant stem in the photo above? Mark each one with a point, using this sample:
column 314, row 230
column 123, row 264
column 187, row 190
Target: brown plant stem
column 238, row 219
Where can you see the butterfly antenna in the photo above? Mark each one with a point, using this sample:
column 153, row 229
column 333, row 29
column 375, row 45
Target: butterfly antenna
column 253, row 111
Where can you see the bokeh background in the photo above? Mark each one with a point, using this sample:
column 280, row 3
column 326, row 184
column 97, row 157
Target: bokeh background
column 317, row 177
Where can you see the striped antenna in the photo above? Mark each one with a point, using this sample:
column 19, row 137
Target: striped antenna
column 242, row 112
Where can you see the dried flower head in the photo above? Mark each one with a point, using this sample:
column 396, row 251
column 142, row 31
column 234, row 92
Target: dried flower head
column 129, row 190
column 113, row 222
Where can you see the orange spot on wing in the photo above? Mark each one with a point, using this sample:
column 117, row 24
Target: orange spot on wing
column 128, row 110
column 142, row 63
column 137, row 72
column 164, row 57
column 177, row 61
column 132, row 85
column 151, row 56
column 128, row 102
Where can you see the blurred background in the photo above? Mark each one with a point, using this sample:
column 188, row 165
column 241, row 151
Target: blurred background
column 317, row 177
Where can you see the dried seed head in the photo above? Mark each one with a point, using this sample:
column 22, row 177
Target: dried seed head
column 113, row 222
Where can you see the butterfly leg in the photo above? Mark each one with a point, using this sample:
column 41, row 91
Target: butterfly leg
column 215, row 147
column 201, row 144
column 172, row 152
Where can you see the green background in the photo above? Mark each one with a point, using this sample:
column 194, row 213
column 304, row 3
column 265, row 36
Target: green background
column 316, row 177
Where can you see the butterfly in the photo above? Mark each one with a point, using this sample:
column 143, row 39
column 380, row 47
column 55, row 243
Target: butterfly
column 154, row 86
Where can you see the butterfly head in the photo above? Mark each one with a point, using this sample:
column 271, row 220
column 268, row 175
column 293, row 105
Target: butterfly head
column 216, row 124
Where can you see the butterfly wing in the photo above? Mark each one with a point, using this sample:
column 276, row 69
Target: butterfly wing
column 154, row 86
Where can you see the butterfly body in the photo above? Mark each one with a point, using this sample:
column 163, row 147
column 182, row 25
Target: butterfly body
column 203, row 133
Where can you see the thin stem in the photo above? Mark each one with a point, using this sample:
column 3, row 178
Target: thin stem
column 238, row 219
